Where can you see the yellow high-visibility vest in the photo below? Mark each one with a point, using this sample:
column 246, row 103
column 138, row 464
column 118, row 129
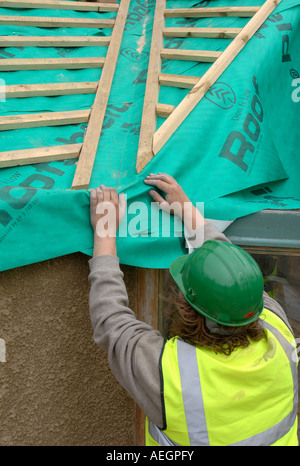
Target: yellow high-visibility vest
column 248, row 398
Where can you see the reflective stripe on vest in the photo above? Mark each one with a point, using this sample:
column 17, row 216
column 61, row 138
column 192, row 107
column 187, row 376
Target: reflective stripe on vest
column 194, row 405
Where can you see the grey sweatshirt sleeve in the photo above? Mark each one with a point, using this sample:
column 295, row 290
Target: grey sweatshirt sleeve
column 132, row 346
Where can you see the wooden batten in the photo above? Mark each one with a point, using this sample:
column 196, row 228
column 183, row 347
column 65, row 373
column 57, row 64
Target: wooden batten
column 14, row 64
column 190, row 55
column 164, row 110
column 213, row 33
column 38, row 155
column 61, row 5
column 54, row 41
column 40, row 21
column 178, row 80
column 51, row 89
column 91, row 139
column 34, row 120
column 149, row 115
column 246, row 12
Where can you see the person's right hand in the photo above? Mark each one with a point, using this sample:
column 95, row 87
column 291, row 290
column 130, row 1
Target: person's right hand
column 174, row 193
column 176, row 201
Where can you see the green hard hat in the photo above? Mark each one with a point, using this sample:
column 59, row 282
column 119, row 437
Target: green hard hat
column 222, row 282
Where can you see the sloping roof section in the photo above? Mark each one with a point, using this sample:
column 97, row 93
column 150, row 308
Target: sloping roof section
column 94, row 117
column 152, row 140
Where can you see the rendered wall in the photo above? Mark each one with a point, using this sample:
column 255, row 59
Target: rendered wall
column 56, row 387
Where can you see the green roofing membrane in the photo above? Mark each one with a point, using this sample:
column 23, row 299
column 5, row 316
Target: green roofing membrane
column 237, row 152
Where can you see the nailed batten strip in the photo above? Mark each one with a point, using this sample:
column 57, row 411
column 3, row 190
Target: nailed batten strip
column 52, row 89
column 39, row 21
column 91, row 140
column 214, row 33
column 38, row 155
column 60, row 5
column 54, row 41
column 34, row 120
column 164, row 110
column 246, row 11
column 149, row 115
column 191, row 55
column 7, row 64
column 177, row 80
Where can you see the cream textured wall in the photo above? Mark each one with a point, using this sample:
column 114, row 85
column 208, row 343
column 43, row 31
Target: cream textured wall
column 56, row 387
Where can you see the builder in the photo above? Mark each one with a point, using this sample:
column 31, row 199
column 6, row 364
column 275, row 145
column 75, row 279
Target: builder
column 227, row 373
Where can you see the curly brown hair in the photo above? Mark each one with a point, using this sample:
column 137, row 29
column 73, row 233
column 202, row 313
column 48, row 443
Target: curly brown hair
column 183, row 321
